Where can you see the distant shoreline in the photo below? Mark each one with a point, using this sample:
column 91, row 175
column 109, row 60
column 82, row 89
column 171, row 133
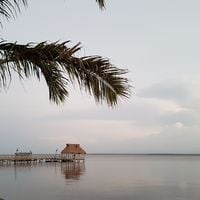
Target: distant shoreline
column 146, row 154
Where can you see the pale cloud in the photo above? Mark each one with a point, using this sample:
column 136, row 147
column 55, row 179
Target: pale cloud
column 139, row 109
column 178, row 91
column 179, row 125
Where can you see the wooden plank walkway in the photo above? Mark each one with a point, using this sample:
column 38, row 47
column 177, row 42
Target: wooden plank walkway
column 38, row 158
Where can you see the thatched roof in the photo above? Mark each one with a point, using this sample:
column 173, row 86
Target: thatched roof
column 73, row 149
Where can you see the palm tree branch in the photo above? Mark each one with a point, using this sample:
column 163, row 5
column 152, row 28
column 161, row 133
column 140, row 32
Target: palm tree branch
column 58, row 64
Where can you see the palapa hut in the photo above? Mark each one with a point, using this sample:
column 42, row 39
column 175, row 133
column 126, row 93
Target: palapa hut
column 73, row 152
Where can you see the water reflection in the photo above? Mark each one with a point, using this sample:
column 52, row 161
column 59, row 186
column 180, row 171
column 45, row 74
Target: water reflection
column 72, row 170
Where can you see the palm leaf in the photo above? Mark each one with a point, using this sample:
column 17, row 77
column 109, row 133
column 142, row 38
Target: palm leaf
column 9, row 8
column 59, row 66
column 101, row 3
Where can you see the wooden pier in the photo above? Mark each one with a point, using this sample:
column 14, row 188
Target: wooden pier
column 71, row 153
column 8, row 159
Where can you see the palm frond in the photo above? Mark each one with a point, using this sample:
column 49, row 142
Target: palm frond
column 9, row 8
column 101, row 3
column 59, row 66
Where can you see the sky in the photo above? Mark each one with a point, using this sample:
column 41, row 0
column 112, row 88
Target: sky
column 157, row 41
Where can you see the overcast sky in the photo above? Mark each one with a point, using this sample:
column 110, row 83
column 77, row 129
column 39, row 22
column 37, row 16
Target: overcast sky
column 158, row 41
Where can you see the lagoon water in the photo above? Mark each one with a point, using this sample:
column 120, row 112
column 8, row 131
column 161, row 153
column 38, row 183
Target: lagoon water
column 105, row 177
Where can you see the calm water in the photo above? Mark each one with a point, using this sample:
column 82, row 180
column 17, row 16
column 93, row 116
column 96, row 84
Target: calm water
column 105, row 177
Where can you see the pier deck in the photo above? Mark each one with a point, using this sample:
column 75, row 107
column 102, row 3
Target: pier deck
column 38, row 158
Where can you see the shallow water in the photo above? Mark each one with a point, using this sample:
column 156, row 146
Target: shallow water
column 105, row 177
